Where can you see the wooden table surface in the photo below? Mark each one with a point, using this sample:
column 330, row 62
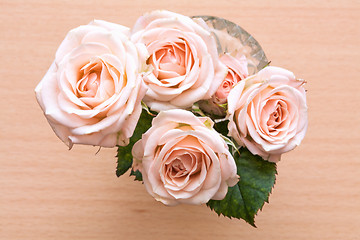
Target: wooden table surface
column 48, row 192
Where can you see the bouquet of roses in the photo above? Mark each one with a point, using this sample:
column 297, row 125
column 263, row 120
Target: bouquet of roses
column 195, row 111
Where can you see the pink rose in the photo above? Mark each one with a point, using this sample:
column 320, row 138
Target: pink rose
column 184, row 57
column 268, row 113
column 184, row 160
column 237, row 71
column 91, row 94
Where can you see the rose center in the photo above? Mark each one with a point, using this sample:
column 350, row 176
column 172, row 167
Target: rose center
column 278, row 116
column 96, row 83
column 89, row 82
column 170, row 61
column 177, row 168
column 169, row 57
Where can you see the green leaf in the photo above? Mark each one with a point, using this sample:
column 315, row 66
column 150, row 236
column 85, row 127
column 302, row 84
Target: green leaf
column 124, row 159
column 222, row 127
column 247, row 197
column 124, row 155
column 137, row 174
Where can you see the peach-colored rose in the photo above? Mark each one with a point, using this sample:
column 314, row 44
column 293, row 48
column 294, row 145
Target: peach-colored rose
column 237, row 71
column 268, row 112
column 183, row 53
column 92, row 92
column 184, row 160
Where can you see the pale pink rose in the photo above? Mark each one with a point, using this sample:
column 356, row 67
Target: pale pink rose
column 92, row 92
column 184, row 160
column 268, row 112
column 184, row 57
column 237, row 71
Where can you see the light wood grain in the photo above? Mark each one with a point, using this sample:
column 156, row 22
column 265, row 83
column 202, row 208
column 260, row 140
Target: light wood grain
column 48, row 192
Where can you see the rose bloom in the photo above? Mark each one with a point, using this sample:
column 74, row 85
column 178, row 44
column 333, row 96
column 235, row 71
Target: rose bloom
column 184, row 160
column 92, row 92
column 268, row 112
column 237, row 71
column 183, row 54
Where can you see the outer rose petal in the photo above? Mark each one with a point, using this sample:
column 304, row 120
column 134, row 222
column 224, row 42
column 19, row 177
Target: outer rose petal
column 198, row 57
column 263, row 130
column 91, row 94
column 180, row 129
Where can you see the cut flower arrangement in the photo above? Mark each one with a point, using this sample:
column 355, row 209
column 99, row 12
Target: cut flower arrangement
column 191, row 103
